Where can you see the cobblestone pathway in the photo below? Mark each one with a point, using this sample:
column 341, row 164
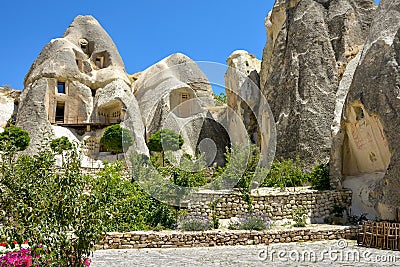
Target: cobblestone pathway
column 321, row 253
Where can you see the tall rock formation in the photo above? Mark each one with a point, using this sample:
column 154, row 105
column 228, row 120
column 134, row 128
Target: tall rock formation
column 245, row 100
column 78, row 81
column 242, row 83
column 175, row 94
column 9, row 99
column 369, row 152
column 310, row 43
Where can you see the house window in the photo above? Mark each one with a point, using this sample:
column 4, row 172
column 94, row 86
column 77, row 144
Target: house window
column 185, row 97
column 99, row 62
column 184, row 108
column 60, row 109
column 61, row 87
column 84, row 45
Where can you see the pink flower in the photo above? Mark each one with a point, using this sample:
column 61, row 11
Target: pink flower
column 87, row 262
column 21, row 258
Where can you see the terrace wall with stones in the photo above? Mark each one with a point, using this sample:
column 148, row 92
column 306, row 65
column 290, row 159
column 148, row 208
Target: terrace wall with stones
column 275, row 204
column 175, row 239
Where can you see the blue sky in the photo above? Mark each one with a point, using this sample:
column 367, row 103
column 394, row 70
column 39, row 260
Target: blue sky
column 144, row 31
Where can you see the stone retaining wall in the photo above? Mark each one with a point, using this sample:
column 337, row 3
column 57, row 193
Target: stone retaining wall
column 276, row 205
column 176, row 239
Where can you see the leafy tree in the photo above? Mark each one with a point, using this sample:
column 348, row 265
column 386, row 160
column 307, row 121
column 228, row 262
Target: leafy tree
column 319, row 177
column 221, row 98
column 165, row 140
column 14, row 139
column 115, row 138
column 58, row 145
column 46, row 213
column 63, row 213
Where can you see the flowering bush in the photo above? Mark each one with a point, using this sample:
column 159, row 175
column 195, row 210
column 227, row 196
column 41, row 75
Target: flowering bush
column 18, row 256
column 194, row 223
column 251, row 221
column 23, row 255
column 66, row 211
column 47, row 212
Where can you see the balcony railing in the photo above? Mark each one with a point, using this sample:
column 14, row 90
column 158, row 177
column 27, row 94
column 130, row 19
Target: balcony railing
column 79, row 121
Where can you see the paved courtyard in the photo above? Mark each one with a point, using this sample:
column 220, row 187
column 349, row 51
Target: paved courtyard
column 321, row 253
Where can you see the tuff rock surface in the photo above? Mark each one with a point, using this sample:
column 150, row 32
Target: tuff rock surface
column 175, row 94
column 9, row 99
column 96, row 88
column 245, row 100
column 330, row 73
column 310, row 43
column 242, row 83
column 369, row 153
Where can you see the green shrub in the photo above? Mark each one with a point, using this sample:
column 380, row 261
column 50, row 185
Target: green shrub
column 289, row 173
column 241, row 171
column 156, row 161
column 165, row 140
column 215, row 220
column 178, row 179
column 285, row 173
column 319, row 177
column 115, row 138
column 189, row 173
column 129, row 207
column 61, row 144
column 14, row 139
column 253, row 158
column 299, row 217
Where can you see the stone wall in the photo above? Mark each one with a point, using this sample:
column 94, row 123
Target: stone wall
column 175, row 239
column 276, row 205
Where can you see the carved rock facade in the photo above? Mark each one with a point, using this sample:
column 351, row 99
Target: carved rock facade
column 310, row 43
column 369, row 156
